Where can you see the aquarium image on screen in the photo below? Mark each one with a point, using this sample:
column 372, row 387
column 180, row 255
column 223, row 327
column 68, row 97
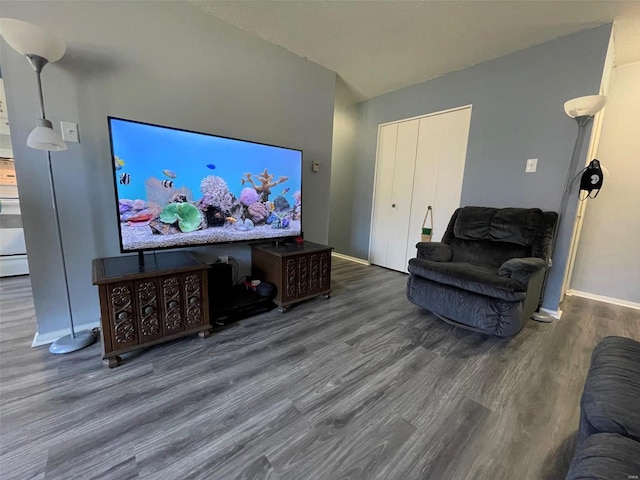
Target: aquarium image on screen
column 178, row 188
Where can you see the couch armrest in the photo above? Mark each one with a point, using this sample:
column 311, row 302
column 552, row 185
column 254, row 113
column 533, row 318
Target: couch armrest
column 521, row 269
column 434, row 251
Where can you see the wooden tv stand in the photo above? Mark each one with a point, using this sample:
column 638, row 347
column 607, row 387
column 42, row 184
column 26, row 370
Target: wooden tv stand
column 299, row 271
column 167, row 299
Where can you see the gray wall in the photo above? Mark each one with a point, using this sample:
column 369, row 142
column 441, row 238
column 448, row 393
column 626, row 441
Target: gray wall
column 608, row 259
column 161, row 62
column 343, row 175
column 517, row 114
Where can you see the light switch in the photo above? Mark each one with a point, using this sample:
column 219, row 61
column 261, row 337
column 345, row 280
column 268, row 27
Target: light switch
column 70, row 132
column 532, row 164
column 315, row 166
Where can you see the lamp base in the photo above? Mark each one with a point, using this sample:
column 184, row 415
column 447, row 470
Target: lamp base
column 543, row 317
column 68, row 344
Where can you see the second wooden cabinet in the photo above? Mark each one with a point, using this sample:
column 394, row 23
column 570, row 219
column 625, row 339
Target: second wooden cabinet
column 299, row 272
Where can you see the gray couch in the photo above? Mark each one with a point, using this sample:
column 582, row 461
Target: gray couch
column 487, row 272
column 608, row 443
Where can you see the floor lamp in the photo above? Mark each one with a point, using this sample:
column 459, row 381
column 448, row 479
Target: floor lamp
column 582, row 110
column 40, row 48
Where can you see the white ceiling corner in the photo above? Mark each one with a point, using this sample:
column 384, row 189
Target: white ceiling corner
column 627, row 38
column 377, row 46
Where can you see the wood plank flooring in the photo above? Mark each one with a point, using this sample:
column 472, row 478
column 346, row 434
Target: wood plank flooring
column 364, row 385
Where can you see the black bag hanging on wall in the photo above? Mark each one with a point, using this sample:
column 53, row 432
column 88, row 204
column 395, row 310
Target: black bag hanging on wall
column 592, row 179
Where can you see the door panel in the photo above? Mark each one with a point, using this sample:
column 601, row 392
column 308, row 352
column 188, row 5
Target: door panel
column 398, row 226
column 425, row 179
column 388, row 136
column 453, row 153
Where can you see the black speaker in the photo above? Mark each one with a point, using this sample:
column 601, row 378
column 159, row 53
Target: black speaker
column 220, row 286
column 266, row 289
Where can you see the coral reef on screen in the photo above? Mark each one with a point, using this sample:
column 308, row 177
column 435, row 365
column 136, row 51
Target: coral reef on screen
column 215, row 193
column 159, row 194
column 170, row 211
column 186, row 215
column 264, row 183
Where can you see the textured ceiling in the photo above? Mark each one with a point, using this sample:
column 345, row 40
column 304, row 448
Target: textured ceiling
column 627, row 37
column 379, row 46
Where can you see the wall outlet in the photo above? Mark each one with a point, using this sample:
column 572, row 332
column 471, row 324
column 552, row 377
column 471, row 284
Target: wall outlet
column 70, row 132
column 532, row 164
column 223, row 258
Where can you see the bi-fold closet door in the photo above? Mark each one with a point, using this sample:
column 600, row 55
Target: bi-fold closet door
column 420, row 162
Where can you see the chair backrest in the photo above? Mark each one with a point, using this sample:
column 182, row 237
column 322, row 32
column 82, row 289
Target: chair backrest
column 491, row 236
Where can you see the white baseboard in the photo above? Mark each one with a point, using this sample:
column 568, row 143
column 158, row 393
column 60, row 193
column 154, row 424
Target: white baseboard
column 11, row 265
column 605, row 299
column 50, row 337
column 351, row 259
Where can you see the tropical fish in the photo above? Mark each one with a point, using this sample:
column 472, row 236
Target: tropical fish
column 211, row 166
column 271, row 206
column 119, row 161
column 284, row 192
column 141, row 218
column 125, row 178
column 118, row 167
column 169, row 173
column 230, row 219
column 167, row 183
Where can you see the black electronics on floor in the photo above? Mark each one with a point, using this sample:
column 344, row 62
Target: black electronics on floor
column 220, row 286
column 228, row 302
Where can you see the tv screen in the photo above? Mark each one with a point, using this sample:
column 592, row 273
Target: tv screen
column 178, row 188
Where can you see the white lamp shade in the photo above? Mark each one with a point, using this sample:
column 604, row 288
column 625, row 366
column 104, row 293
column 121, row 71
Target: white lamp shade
column 26, row 39
column 43, row 137
column 584, row 106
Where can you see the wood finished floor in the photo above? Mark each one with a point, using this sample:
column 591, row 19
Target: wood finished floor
column 362, row 386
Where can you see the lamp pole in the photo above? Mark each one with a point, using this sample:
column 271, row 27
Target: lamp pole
column 54, row 202
column 582, row 121
column 72, row 342
column 38, row 63
column 40, row 48
column 582, row 110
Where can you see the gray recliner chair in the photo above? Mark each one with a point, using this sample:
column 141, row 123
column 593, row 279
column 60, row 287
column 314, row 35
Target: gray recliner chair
column 488, row 271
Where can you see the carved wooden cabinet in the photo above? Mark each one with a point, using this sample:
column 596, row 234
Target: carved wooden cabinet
column 140, row 307
column 299, row 271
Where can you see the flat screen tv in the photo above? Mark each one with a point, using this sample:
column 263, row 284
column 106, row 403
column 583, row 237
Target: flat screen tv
column 177, row 188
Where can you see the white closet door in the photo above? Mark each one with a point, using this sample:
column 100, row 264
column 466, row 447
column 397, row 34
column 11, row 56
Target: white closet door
column 387, row 139
column 440, row 159
column 453, row 153
column 420, row 163
column 402, row 194
column 425, row 181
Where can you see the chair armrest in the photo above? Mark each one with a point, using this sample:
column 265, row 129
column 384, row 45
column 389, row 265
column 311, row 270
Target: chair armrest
column 521, row 269
column 434, row 251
